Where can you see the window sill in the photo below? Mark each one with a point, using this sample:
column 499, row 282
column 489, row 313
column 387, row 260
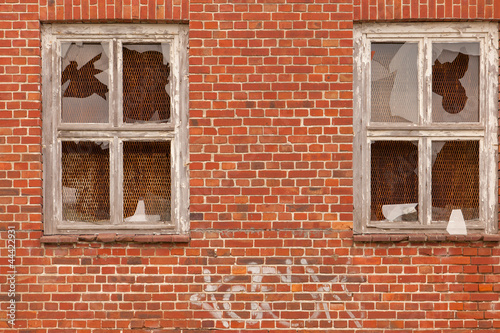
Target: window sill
column 373, row 238
column 114, row 238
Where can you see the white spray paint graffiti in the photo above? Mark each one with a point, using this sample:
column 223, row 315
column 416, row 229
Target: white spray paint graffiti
column 221, row 308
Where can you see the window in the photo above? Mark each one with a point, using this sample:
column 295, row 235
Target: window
column 115, row 111
column 425, row 122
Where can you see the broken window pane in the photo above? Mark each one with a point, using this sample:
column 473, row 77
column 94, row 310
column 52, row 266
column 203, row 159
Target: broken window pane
column 146, row 181
column 146, row 83
column 84, row 83
column 455, row 179
column 455, row 82
column 394, row 82
column 394, row 180
column 85, row 181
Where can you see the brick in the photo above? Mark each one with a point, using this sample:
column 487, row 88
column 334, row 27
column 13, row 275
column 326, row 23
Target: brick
column 271, row 245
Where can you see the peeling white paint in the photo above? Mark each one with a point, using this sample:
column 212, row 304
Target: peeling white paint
column 428, row 129
column 217, row 296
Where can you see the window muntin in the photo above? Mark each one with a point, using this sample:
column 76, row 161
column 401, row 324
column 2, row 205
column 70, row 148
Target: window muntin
column 115, row 128
column 430, row 150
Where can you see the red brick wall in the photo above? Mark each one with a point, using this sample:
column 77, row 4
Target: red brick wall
column 426, row 10
column 271, row 188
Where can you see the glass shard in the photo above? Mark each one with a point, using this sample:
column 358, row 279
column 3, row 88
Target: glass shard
column 455, row 82
column 394, row 82
column 146, row 181
column 146, row 78
column 455, row 179
column 85, row 181
column 456, row 225
column 84, row 83
column 394, row 180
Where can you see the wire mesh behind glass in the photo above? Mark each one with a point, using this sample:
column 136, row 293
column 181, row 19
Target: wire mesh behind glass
column 394, row 181
column 85, row 181
column 84, row 83
column 146, row 83
column 146, row 181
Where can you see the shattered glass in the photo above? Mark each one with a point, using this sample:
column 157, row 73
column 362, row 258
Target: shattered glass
column 146, row 181
column 394, row 180
column 146, row 83
column 84, row 83
column 455, row 179
column 85, row 181
column 455, row 82
column 394, row 82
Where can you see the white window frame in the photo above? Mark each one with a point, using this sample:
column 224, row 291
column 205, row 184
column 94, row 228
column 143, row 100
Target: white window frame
column 115, row 132
column 485, row 131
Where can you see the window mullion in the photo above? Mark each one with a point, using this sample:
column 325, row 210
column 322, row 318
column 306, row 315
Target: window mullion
column 115, row 181
column 119, row 82
column 116, row 151
column 427, row 81
column 113, row 83
column 425, row 165
column 425, row 169
column 422, row 83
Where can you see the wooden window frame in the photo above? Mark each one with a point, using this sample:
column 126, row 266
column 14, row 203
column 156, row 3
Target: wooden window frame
column 485, row 131
column 115, row 132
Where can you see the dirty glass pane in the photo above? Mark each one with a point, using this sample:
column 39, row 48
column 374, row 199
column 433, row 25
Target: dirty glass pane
column 455, row 82
column 394, row 82
column 85, row 181
column 146, row 181
column 394, row 181
column 146, row 79
column 84, row 83
column 455, row 179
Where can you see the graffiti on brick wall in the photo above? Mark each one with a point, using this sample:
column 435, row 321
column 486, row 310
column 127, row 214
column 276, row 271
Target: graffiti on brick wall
column 219, row 293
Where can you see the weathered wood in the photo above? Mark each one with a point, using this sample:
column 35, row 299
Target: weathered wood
column 425, row 132
column 154, row 186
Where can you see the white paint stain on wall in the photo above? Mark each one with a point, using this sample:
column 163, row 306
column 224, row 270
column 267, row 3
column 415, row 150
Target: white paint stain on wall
column 219, row 294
